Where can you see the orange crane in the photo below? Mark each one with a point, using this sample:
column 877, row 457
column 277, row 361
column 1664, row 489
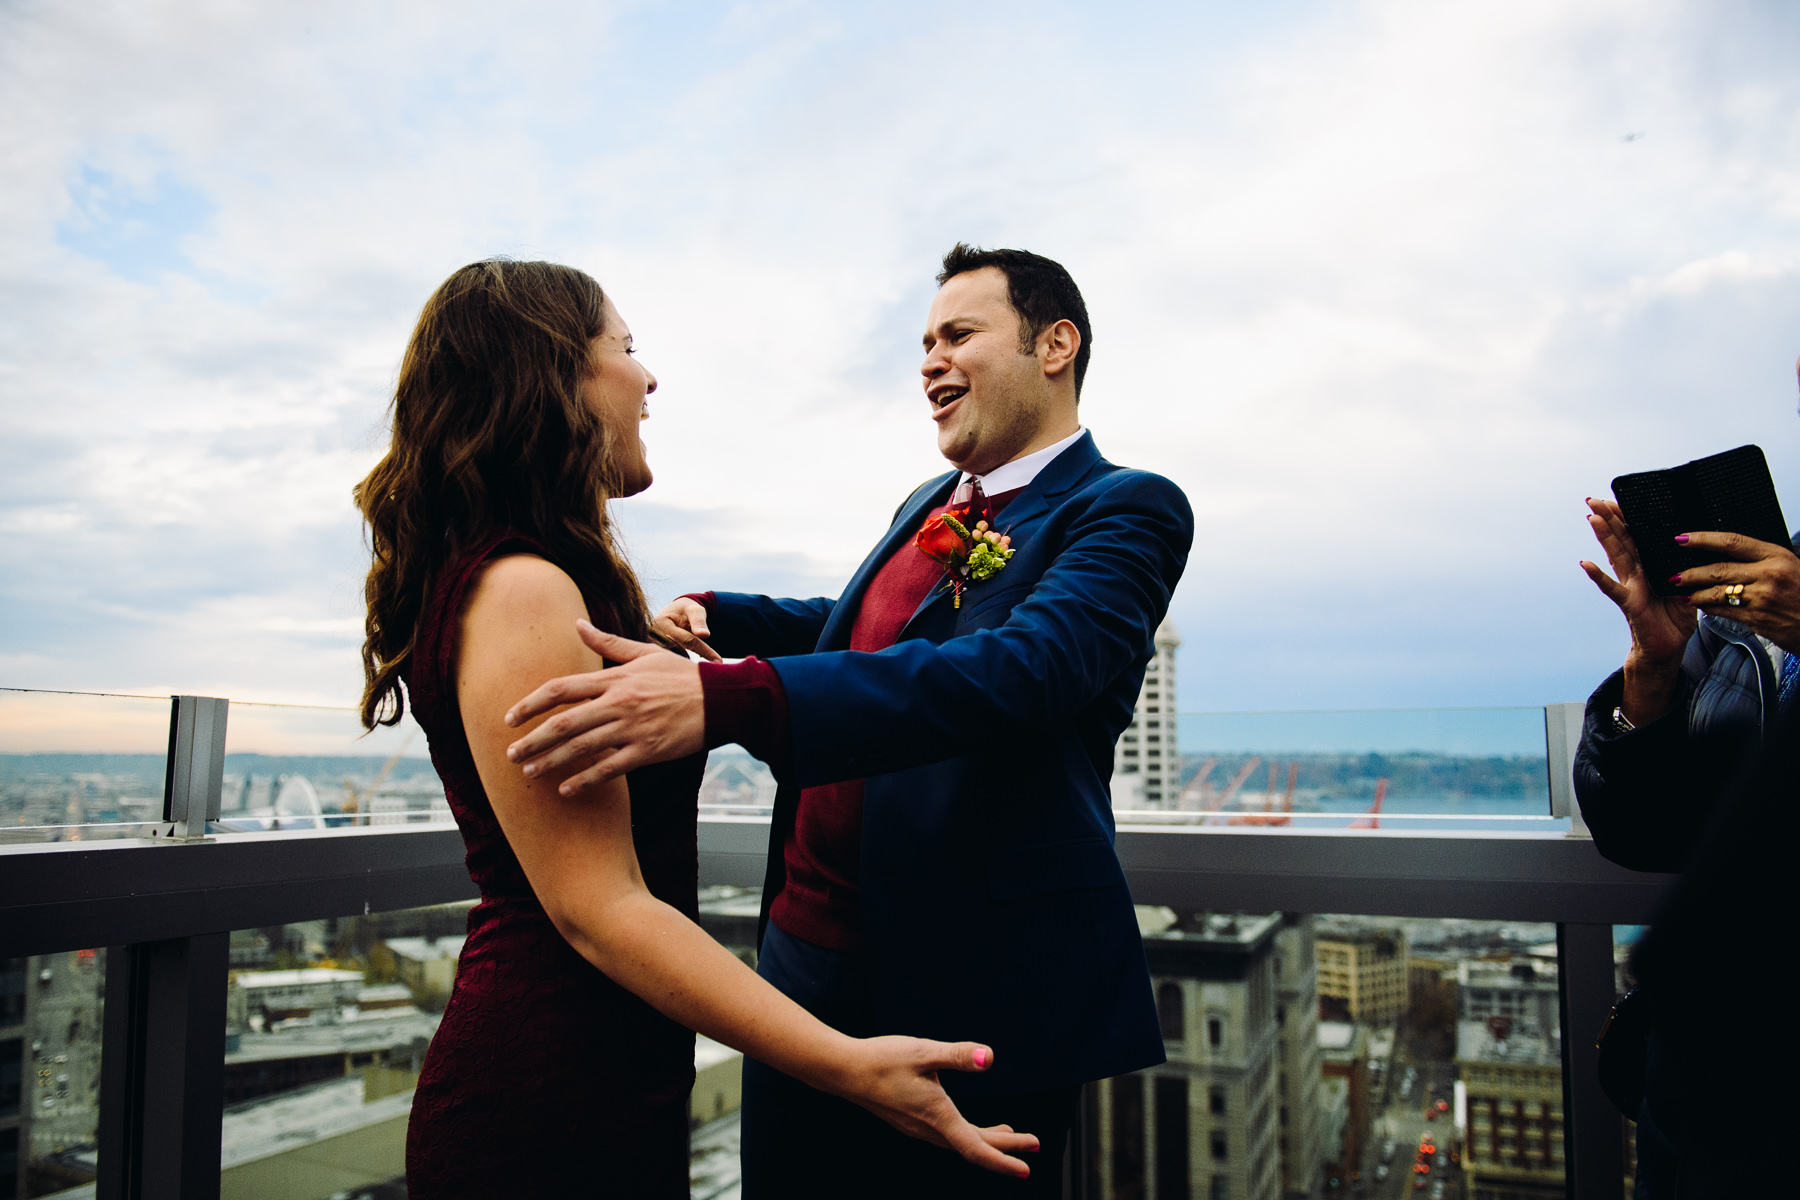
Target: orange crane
column 1373, row 818
column 1196, row 791
column 1231, row 790
column 1268, row 815
column 1237, row 781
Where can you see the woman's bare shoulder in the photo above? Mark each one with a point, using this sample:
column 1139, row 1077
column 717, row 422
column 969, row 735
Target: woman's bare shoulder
column 522, row 609
column 522, row 584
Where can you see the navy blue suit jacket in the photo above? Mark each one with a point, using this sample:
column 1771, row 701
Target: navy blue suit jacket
column 994, row 908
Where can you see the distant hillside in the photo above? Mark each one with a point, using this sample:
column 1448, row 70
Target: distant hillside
column 1353, row 776
column 15, row 768
column 18, row 767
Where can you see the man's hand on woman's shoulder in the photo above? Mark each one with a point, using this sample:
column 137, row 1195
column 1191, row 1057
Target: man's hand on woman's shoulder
column 647, row 709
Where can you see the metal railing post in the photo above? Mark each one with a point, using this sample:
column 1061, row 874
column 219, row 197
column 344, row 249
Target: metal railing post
column 162, row 1061
column 162, row 1070
column 196, row 773
column 1593, row 1155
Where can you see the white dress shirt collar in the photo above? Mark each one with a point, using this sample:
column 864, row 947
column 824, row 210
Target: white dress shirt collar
column 1021, row 471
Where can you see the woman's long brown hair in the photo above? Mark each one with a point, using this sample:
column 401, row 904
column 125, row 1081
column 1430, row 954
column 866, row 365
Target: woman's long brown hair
column 490, row 435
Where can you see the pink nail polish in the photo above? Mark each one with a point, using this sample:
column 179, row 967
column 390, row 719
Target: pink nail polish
column 981, row 1057
column 1681, row 539
column 1675, row 579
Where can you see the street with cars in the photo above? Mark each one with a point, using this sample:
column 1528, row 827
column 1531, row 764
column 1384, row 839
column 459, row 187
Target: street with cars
column 1413, row 1149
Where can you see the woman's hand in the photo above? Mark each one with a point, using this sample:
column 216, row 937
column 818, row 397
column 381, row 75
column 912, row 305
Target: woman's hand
column 1660, row 625
column 896, row 1078
column 1763, row 577
column 684, row 623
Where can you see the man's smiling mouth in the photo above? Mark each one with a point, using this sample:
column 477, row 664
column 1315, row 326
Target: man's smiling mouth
column 945, row 397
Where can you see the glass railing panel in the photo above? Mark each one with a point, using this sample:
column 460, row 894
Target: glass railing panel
column 299, row 768
column 50, row 1045
column 731, row 915
column 80, row 766
column 736, row 785
column 1336, row 1055
column 327, row 1024
column 1470, row 768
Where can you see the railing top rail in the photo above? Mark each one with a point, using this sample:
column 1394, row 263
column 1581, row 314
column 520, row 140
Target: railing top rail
column 66, row 895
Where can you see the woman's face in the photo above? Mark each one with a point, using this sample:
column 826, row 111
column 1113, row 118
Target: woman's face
column 615, row 388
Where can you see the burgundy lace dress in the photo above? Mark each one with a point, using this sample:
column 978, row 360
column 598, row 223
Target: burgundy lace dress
column 546, row 1078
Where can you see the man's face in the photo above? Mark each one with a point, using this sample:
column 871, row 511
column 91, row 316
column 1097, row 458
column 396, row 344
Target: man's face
column 988, row 398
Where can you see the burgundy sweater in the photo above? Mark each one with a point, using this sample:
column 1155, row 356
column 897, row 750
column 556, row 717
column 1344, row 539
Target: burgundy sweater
column 746, row 704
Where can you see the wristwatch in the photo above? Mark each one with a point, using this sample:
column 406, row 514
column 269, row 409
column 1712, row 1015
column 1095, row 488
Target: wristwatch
column 1620, row 724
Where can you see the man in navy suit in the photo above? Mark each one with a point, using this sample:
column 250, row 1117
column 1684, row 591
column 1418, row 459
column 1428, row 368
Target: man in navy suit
column 941, row 859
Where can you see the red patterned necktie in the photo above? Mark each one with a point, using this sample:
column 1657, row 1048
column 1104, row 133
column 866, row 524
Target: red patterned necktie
column 968, row 495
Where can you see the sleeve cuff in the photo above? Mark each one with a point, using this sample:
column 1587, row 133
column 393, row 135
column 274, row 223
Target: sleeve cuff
column 746, row 703
column 706, row 600
column 1610, row 694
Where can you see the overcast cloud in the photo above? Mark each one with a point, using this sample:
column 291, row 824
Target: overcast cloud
column 1387, row 286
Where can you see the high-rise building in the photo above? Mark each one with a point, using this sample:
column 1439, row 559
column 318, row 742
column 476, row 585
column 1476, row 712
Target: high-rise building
column 1297, row 1057
column 1203, row 1124
column 1147, row 759
column 1509, row 1072
column 1365, row 969
column 50, row 1033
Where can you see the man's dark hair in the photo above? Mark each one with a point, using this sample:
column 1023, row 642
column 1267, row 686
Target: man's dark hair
column 1041, row 292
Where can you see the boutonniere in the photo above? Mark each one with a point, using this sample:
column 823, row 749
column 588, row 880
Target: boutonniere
column 970, row 555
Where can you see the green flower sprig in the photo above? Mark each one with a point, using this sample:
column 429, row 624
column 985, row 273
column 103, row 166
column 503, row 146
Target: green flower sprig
column 988, row 552
column 971, row 555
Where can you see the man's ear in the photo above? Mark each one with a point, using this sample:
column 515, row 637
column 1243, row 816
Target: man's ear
column 1057, row 347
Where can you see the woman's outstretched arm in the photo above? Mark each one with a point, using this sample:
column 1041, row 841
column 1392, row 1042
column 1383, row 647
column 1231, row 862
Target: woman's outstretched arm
column 519, row 630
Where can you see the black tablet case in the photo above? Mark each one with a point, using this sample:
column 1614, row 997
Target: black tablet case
column 1731, row 491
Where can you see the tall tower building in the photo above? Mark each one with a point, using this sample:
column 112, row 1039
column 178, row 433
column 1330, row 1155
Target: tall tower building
column 1147, row 759
column 1204, row 1124
column 1297, row 1057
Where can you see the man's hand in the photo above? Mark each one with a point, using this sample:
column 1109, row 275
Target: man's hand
column 684, row 623
column 1769, row 602
column 648, row 709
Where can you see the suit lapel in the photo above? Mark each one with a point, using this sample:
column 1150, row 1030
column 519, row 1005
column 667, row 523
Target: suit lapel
column 836, row 634
column 1058, row 476
column 1028, row 507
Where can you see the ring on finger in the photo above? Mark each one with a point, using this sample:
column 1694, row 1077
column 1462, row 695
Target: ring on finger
column 1734, row 595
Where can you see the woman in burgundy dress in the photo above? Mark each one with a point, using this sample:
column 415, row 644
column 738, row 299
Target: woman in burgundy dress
column 564, row 1060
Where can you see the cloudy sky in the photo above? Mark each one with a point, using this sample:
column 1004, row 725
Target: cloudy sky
column 1387, row 286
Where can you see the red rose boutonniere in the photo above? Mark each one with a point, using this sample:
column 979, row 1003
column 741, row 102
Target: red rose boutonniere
column 970, row 555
